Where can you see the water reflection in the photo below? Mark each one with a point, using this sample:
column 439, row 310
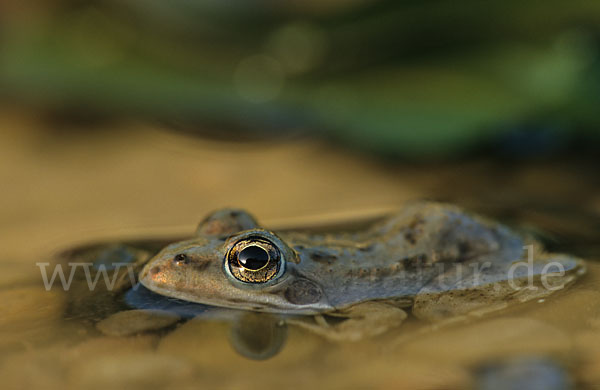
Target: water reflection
column 527, row 372
column 257, row 336
column 139, row 297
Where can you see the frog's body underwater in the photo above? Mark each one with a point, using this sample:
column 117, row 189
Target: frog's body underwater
column 433, row 258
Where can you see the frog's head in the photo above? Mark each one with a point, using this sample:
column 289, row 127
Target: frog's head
column 233, row 262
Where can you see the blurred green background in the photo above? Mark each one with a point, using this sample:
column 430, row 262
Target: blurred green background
column 418, row 80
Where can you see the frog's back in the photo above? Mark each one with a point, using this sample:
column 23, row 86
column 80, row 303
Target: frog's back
column 396, row 257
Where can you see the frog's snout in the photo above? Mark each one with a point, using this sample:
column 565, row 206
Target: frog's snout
column 153, row 273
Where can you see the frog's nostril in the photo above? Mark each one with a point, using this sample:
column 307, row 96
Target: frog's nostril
column 181, row 258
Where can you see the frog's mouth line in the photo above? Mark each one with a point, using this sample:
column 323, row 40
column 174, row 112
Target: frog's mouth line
column 268, row 303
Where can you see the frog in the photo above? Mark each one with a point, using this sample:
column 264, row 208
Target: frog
column 433, row 261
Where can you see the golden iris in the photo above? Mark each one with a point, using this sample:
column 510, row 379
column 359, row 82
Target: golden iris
column 254, row 260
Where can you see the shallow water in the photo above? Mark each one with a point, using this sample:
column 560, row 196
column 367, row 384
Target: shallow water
column 140, row 181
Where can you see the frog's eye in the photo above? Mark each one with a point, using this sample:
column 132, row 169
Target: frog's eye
column 254, row 260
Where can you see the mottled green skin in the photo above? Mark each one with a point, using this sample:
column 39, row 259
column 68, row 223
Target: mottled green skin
column 425, row 249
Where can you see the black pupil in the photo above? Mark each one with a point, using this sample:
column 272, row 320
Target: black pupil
column 253, row 257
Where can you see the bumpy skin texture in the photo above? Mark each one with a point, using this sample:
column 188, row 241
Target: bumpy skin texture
column 436, row 257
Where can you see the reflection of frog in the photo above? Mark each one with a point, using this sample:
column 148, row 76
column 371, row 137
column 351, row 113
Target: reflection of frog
column 432, row 258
